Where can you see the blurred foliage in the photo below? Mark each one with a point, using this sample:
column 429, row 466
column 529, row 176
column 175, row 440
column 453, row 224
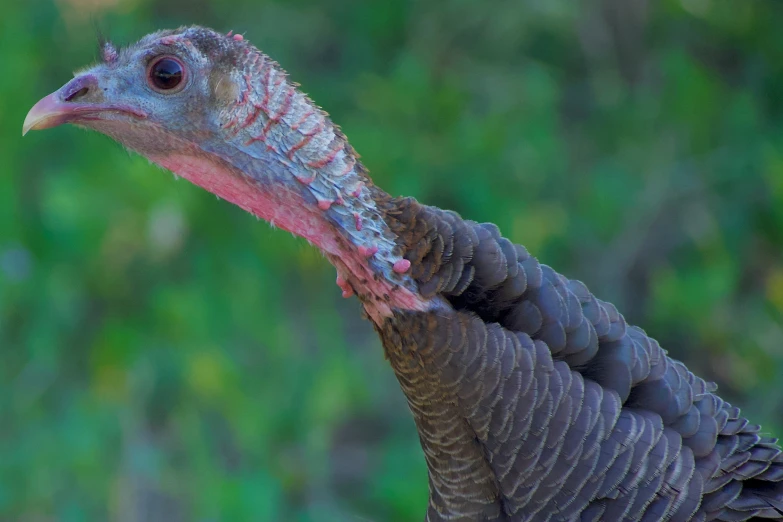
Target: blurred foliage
column 165, row 357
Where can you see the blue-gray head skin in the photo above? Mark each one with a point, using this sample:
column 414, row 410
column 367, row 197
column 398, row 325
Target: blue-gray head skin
column 215, row 110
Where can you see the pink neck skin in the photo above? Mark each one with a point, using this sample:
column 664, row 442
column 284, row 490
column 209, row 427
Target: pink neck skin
column 288, row 210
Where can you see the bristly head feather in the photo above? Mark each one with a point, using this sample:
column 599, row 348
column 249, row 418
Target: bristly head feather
column 109, row 53
column 106, row 49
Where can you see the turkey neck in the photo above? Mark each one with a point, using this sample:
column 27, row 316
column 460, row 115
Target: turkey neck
column 303, row 176
column 278, row 156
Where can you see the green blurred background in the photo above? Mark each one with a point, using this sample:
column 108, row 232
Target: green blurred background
column 165, row 357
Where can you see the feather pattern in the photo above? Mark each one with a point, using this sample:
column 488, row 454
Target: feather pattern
column 535, row 401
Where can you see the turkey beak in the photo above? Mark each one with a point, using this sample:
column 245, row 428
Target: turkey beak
column 47, row 113
column 78, row 101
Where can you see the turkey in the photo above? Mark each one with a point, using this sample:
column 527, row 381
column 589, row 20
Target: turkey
column 533, row 399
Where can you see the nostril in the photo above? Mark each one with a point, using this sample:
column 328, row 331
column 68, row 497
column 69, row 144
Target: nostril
column 77, row 94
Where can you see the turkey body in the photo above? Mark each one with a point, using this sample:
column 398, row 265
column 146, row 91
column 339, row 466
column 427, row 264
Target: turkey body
column 535, row 401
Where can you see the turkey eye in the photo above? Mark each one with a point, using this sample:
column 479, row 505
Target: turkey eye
column 166, row 74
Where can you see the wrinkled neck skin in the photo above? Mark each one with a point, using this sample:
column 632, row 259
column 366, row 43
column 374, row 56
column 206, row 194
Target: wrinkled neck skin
column 280, row 158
